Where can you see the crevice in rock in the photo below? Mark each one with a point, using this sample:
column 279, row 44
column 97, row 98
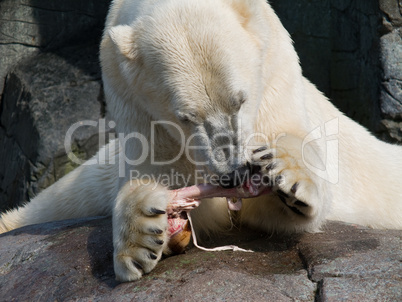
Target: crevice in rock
column 309, row 271
column 19, row 43
column 23, row 21
column 46, row 8
column 306, row 265
column 319, row 291
column 102, row 102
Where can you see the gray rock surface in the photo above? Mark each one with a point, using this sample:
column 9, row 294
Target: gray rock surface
column 72, row 261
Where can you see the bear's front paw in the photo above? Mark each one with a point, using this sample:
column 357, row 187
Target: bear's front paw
column 290, row 180
column 139, row 229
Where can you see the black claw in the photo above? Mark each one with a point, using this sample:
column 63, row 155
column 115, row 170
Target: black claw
column 160, row 242
column 153, row 256
column 156, row 231
column 283, row 199
column 279, row 179
column 293, row 209
column 294, row 188
column 267, row 156
column 300, row 203
column 260, row 149
column 271, row 166
column 137, row 265
column 266, row 181
column 280, row 192
column 296, row 211
column 157, row 211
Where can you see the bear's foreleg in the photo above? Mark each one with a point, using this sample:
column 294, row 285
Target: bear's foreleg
column 301, row 194
column 139, row 228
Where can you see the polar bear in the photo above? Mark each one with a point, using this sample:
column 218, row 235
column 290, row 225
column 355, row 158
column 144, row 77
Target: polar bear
column 200, row 88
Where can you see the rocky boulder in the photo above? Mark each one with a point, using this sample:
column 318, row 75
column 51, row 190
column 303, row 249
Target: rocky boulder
column 44, row 98
column 391, row 63
column 72, row 261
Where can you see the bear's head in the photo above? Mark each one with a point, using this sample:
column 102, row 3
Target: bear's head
column 198, row 66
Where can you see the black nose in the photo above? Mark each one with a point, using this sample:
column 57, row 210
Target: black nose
column 236, row 177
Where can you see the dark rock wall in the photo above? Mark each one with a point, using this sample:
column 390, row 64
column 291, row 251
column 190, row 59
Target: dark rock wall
column 28, row 26
column 338, row 47
column 352, row 51
column 50, row 78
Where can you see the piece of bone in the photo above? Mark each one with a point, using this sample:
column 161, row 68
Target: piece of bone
column 188, row 198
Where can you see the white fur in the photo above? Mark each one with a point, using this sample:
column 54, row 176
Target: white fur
column 194, row 63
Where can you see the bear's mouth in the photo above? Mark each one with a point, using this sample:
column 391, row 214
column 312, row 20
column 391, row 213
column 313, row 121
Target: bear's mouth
column 248, row 173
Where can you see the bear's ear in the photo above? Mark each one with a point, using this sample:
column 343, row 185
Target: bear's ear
column 123, row 36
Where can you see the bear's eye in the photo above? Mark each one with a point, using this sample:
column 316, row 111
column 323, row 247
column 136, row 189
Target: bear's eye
column 187, row 117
